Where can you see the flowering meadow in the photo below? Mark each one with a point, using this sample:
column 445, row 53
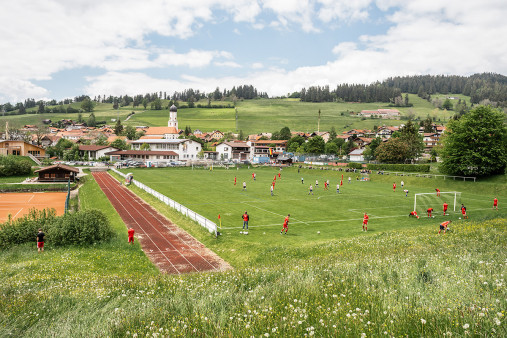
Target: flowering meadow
column 404, row 282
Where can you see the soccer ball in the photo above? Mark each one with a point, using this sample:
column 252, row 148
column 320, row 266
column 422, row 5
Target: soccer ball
column 241, row 232
column 460, row 218
column 318, row 232
column 433, row 216
column 245, row 233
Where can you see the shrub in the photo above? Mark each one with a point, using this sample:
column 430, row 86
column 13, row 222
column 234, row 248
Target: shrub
column 82, row 227
column 24, row 229
column 411, row 168
column 10, row 166
column 354, row 165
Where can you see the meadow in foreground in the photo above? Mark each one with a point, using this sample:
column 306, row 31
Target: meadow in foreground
column 405, row 282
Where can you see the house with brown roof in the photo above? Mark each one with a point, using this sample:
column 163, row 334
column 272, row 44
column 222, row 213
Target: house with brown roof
column 233, row 150
column 143, row 155
column 57, row 173
column 20, row 148
column 267, row 148
column 94, row 152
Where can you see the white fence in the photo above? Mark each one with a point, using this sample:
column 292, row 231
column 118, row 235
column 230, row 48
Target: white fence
column 203, row 221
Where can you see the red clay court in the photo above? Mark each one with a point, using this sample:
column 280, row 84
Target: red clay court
column 170, row 248
column 19, row 204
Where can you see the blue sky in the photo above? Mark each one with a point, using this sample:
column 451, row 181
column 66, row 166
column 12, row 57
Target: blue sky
column 64, row 48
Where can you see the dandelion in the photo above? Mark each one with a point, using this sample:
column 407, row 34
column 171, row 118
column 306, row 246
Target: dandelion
column 363, row 335
column 423, row 321
column 266, row 334
column 497, row 321
column 466, row 326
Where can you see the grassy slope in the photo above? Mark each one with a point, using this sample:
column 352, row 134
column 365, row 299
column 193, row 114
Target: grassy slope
column 254, row 115
column 382, row 282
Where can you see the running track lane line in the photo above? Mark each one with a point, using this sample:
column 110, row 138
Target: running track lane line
column 160, row 219
column 117, row 204
column 114, row 190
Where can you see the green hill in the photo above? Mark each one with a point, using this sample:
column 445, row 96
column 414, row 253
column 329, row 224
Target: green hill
column 254, row 116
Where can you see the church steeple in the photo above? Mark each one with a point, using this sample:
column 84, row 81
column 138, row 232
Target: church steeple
column 173, row 117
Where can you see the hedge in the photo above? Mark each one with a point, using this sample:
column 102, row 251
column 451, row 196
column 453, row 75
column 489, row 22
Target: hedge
column 354, row 165
column 35, row 187
column 411, row 168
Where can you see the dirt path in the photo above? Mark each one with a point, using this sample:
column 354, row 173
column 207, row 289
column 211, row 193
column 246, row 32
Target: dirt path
column 170, row 248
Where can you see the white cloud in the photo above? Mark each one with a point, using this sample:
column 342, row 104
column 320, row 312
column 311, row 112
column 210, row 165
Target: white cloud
column 228, row 64
column 40, row 39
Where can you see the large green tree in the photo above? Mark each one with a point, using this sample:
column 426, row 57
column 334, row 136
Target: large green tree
column 475, row 144
column 393, row 151
column 87, row 105
column 315, row 145
column 409, row 134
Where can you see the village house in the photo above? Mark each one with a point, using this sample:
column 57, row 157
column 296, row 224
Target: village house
column 381, row 113
column 21, row 148
column 267, row 148
column 94, row 152
column 233, row 150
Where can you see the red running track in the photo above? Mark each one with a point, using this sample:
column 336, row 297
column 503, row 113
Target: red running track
column 170, row 248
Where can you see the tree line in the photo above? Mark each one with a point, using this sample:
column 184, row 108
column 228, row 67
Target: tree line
column 154, row 100
column 480, row 87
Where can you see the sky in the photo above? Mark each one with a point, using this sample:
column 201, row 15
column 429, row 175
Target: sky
column 56, row 49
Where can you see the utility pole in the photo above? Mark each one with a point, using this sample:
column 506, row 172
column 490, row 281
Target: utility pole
column 318, row 123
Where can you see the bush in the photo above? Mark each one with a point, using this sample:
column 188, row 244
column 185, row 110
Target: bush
column 11, row 166
column 81, row 228
column 411, row 168
column 24, row 229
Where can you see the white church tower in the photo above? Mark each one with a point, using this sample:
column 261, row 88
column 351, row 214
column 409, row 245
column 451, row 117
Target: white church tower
column 173, row 117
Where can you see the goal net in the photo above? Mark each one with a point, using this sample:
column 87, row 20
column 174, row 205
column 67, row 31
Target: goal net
column 436, row 201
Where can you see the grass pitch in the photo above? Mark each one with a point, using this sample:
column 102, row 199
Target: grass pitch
column 325, row 215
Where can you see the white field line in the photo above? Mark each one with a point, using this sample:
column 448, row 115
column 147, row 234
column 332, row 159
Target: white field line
column 315, row 222
column 30, row 198
column 293, row 218
column 13, row 217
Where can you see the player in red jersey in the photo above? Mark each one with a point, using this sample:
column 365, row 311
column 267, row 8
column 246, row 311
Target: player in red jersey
column 445, row 207
column 413, row 214
column 394, row 186
column 495, row 203
column 131, row 235
column 365, row 222
column 443, row 226
column 285, row 225
column 234, row 180
column 430, row 211
column 464, row 211
column 438, row 191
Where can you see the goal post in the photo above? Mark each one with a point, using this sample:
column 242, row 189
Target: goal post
column 435, row 200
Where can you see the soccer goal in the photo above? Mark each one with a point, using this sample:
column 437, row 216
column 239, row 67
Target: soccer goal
column 436, row 200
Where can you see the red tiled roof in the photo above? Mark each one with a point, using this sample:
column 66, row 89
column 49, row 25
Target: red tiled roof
column 92, row 147
column 141, row 152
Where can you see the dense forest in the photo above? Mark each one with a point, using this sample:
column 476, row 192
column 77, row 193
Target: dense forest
column 479, row 87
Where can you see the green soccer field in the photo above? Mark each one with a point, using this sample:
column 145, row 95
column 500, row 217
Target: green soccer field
column 333, row 215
